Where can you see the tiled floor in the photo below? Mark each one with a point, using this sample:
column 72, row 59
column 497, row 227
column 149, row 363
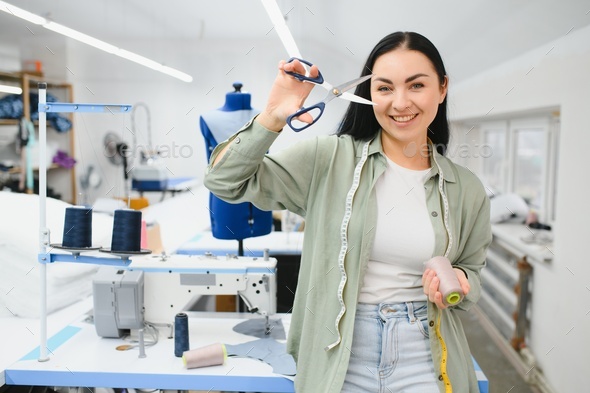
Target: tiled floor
column 502, row 376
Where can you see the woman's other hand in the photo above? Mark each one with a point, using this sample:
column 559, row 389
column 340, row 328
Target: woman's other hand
column 430, row 284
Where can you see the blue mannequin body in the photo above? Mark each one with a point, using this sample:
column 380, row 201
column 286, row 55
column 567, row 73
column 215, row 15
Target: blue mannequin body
column 236, row 101
column 232, row 221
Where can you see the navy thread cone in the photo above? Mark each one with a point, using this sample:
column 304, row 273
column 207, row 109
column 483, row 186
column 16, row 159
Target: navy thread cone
column 181, row 341
column 126, row 230
column 77, row 227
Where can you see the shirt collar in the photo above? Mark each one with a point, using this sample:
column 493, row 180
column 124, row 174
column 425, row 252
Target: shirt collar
column 444, row 163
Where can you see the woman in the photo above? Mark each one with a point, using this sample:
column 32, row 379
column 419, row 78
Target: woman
column 379, row 200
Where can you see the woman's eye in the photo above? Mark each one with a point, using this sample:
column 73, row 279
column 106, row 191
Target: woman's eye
column 384, row 89
column 417, row 85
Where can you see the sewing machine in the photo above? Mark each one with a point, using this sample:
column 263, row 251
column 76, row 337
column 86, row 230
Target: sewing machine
column 149, row 177
column 171, row 284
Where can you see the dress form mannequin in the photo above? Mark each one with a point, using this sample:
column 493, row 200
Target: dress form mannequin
column 236, row 100
column 220, row 124
column 232, row 221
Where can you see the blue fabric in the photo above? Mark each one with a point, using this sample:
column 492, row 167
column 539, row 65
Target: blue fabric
column 231, row 221
column 11, row 107
column 266, row 350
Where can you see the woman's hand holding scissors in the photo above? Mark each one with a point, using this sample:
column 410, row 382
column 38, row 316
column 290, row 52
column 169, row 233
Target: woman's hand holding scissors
column 287, row 96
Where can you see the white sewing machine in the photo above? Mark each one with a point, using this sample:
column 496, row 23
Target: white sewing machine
column 149, row 177
column 172, row 282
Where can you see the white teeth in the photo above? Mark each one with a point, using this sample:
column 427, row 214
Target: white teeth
column 404, row 118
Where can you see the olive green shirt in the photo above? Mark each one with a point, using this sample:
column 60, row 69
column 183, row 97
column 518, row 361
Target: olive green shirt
column 313, row 178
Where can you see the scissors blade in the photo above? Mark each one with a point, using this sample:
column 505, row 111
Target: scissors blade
column 278, row 21
column 353, row 83
column 355, row 98
column 347, row 86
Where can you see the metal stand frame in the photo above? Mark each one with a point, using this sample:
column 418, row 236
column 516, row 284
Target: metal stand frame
column 44, row 257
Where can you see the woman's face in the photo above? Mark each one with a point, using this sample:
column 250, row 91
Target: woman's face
column 407, row 91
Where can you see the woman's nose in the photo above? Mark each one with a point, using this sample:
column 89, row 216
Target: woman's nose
column 400, row 101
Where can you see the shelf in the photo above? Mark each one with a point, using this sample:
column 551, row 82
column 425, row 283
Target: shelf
column 14, row 122
column 64, row 180
column 9, row 122
column 32, row 78
column 17, row 169
column 509, row 235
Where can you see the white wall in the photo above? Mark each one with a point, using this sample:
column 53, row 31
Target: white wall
column 555, row 75
column 10, row 59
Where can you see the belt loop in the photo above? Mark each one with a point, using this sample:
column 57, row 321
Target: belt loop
column 411, row 316
column 380, row 311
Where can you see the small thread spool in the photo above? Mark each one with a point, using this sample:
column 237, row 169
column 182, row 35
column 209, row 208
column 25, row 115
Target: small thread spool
column 210, row 355
column 126, row 231
column 77, row 227
column 449, row 283
column 144, row 241
column 181, row 341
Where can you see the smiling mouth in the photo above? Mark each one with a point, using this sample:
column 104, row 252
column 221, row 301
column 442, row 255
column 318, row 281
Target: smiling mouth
column 404, row 119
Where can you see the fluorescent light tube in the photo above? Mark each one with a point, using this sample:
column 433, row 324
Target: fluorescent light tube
column 86, row 39
column 177, row 74
column 154, row 65
column 76, row 35
column 11, row 89
column 20, row 13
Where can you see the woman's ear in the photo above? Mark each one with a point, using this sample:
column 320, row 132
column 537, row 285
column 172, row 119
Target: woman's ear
column 444, row 87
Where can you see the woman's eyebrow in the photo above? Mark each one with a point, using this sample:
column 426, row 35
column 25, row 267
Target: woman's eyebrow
column 384, row 80
column 409, row 79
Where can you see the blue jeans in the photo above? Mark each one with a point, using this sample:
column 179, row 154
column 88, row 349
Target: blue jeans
column 390, row 350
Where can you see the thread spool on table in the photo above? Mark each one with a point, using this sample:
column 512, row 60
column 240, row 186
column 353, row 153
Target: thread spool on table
column 181, row 340
column 209, row 355
column 449, row 286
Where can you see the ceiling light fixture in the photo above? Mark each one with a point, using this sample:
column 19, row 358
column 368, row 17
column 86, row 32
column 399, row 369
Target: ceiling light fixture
column 86, row 39
column 10, row 89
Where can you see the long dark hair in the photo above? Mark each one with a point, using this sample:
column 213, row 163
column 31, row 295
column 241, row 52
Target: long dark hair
column 359, row 120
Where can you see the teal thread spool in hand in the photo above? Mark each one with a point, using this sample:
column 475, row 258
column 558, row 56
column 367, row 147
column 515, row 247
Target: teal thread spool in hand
column 449, row 283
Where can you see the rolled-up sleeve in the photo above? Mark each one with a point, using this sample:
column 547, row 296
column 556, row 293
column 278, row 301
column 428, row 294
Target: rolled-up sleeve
column 271, row 182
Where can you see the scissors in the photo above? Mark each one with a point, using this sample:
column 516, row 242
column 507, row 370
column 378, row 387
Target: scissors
column 333, row 92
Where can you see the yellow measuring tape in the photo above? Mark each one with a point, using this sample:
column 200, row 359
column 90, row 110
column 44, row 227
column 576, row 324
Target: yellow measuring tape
column 443, row 362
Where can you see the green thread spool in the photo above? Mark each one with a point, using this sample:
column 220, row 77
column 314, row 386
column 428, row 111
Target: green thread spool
column 453, row 298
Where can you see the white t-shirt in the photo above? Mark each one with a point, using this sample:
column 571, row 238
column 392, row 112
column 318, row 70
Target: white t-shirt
column 404, row 238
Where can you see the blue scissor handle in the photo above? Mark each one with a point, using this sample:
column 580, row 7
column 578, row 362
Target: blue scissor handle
column 318, row 79
column 320, row 105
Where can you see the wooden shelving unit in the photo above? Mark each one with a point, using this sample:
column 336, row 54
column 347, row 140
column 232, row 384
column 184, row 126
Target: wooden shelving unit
column 63, row 180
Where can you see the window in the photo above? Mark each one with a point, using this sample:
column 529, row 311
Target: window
column 494, row 136
column 521, row 158
column 530, row 169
